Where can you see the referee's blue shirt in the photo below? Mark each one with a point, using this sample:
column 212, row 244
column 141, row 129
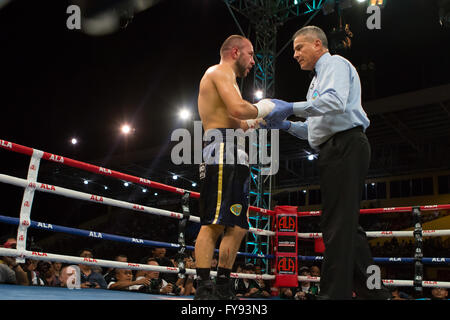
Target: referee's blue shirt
column 333, row 102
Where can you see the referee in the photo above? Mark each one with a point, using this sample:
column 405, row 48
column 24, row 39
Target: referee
column 335, row 126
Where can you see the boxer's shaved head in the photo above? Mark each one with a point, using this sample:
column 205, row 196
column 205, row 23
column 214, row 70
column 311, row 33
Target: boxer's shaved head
column 234, row 41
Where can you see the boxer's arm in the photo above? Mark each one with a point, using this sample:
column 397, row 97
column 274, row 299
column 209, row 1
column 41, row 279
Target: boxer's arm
column 231, row 97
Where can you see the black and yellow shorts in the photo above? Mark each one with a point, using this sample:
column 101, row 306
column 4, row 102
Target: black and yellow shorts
column 224, row 188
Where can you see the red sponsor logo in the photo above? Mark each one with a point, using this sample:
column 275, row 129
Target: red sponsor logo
column 388, row 281
column 25, row 222
column 26, row 204
column 287, row 223
column 39, row 254
column 286, row 264
column 386, row 232
column 430, row 282
column 172, row 269
column 314, row 235
column 133, row 264
column 96, row 198
column 21, row 237
column 32, row 185
column 138, row 207
column 428, row 231
column 89, row 260
column 175, row 215
column 48, row 187
column 32, row 167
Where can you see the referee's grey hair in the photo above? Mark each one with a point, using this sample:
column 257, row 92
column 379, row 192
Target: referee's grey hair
column 314, row 32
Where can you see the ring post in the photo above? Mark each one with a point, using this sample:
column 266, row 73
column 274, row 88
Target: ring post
column 181, row 234
column 286, row 238
column 27, row 202
column 418, row 254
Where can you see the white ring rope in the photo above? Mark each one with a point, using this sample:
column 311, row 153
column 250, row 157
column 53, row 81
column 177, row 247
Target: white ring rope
column 137, row 266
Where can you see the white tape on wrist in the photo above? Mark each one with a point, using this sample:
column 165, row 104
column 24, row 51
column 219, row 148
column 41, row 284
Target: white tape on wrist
column 265, row 106
column 255, row 123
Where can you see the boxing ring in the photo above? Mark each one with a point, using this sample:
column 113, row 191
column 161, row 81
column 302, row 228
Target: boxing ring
column 31, row 185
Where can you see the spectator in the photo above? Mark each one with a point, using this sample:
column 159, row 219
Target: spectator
column 30, row 267
column 57, row 268
column 305, row 290
column 250, row 287
column 123, row 280
column 110, row 275
column 90, row 278
column 187, row 283
column 315, row 272
column 439, row 293
column 159, row 254
column 157, row 285
column 399, row 295
column 47, row 273
column 10, row 271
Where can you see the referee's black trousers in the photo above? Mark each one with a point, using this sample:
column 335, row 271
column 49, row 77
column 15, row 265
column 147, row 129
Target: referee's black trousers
column 343, row 164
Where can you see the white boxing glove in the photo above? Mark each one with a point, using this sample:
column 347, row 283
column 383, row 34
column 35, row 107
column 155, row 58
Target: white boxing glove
column 264, row 106
column 255, row 123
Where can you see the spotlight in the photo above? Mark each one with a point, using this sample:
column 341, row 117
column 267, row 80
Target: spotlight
column 156, row 193
column 311, row 157
column 74, row 141
column 174, row 177
column 259, row 94
column 126, row 184
column 144, row 190
column 85, row 182
column 194, row 184
column 184, row 114
column 126, row 129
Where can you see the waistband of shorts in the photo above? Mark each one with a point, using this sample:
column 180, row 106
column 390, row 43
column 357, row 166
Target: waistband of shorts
column 223, row 132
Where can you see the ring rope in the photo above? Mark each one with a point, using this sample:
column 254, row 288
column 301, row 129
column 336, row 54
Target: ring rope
column 137, row 266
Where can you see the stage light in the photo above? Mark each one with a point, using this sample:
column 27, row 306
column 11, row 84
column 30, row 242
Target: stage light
column 126, row 184
column 144, row 190
column 194, row 184
column 156, row 193
column 85, row 182
column 311, row 157
column 74, row 141
column 184, row 114
column 174, row 177
column 259, row 94
column 126, row 129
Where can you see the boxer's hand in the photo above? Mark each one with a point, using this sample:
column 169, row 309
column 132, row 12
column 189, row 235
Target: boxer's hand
column 264, row 106
column 281, row 111
column 255, row 123
column 277, row 124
